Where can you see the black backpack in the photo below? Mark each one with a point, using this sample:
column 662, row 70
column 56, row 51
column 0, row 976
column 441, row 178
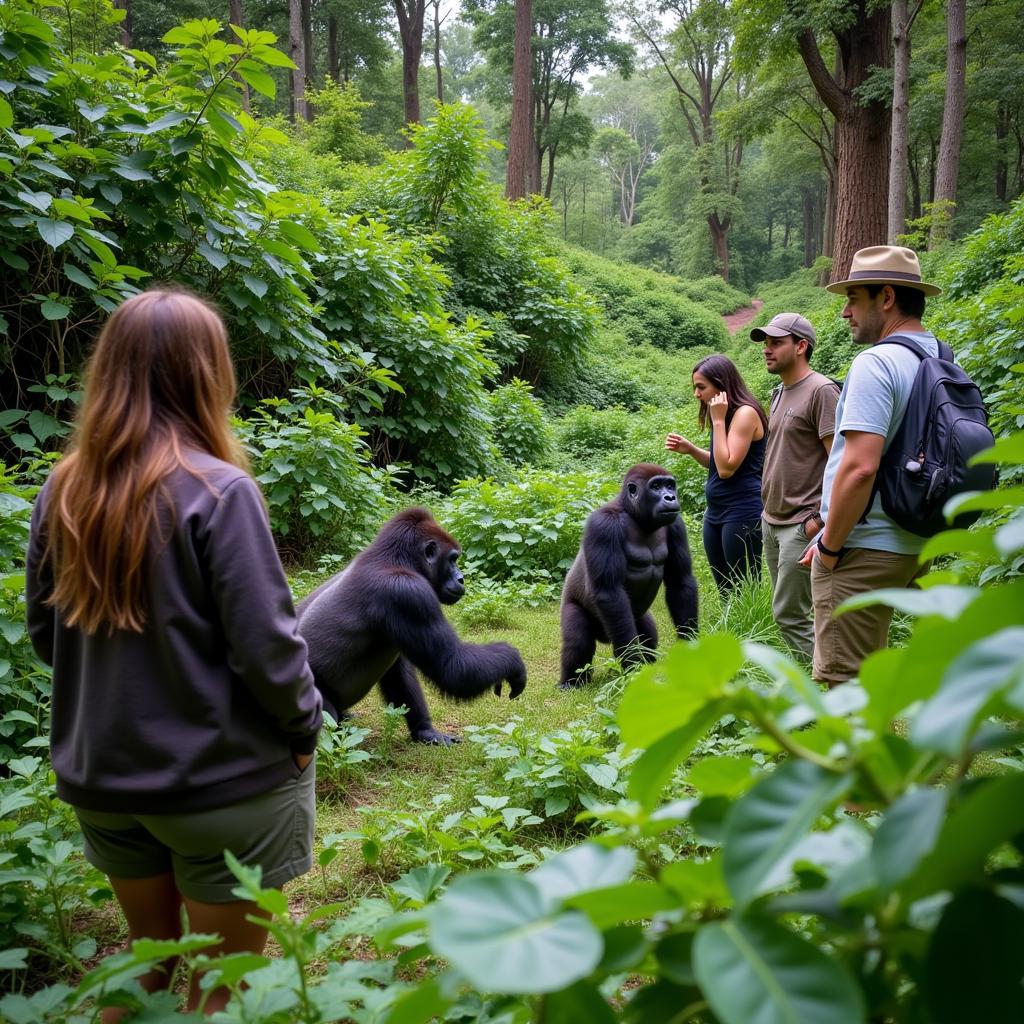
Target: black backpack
column 927, row 463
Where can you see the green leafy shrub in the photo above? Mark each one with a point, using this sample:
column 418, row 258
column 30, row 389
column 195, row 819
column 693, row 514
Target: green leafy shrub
column 499, row 256
column 322, row 492
column 525, row 528
column 982, row 312
column 609, row 441
column 648, row 307
column 520, row 429
column 492, row 602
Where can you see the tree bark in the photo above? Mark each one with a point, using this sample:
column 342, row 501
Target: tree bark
column 236, row 16
column 127, row 23
column 828, row 228
column 410, row 28
column 810, row 214
column 720, row 244
column 952, row 121
column 520, row 135
column 915, row 187
column 297, row 105
column 862, row 132
column 902, row 22
column 437, row 49
column 332, row 48
column 307, row 44
column 1002, row 134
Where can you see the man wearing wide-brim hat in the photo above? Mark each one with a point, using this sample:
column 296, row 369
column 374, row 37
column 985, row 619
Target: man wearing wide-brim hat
column 860, row 547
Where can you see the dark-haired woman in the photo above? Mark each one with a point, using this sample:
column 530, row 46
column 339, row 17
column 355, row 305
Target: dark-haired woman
column 734, row 460
column 184, row 715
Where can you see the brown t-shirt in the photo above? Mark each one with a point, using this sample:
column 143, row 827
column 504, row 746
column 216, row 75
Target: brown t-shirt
column 802, row 414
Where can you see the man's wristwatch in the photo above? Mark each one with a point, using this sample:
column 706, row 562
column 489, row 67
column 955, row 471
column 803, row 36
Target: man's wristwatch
column 828, row 551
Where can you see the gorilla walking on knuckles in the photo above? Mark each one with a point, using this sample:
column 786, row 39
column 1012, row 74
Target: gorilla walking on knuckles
column 382, row 615
column 630, row 546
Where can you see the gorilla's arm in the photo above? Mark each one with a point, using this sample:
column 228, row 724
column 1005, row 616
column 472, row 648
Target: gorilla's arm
column 412, row 619
column 680, row 585
column 604, row 550
column 399, row 686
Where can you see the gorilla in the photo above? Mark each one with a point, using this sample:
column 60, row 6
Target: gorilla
column 630, row 546
column 380, row 616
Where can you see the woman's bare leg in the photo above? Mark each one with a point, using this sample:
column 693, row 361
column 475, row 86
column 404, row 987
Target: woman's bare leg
column 240, row 936
column 152, row 909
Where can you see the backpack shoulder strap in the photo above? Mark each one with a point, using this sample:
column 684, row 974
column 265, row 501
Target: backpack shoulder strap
column 945, row 352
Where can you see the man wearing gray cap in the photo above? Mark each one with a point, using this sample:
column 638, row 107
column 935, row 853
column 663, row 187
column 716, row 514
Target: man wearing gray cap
column 800, row 429
column 861, row 548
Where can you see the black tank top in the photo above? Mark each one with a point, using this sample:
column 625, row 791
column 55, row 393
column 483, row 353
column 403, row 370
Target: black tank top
column 739, row 496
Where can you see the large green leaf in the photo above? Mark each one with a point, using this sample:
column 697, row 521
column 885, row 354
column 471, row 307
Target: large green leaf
column 754, row 971
column 496, row 928
column 1006, row 449
column 992, row 813
column 975, row 961
column 580, row 869
column 633, row 901
column 6, row 114
column 54, row 232
column 907, row 834
column 651, row 773
column 666, row 695
column 722, row 776
column 983, row 672
column 896, row 678
column 947, row 601
column 763, row 828
column 579, row 1002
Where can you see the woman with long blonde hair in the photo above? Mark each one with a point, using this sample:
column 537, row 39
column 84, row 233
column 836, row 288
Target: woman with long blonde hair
column 184, row 715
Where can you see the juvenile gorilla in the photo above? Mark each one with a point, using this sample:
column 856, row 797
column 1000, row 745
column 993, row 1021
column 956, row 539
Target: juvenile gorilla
column 382, row 615
column 630, row 546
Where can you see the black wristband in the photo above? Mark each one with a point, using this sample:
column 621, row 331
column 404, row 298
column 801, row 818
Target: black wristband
column 828, row 551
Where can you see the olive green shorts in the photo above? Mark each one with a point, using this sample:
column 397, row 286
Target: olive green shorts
column 273, row 830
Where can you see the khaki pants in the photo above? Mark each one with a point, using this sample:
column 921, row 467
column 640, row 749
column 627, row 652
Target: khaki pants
column 841, row 644
column 791, row 586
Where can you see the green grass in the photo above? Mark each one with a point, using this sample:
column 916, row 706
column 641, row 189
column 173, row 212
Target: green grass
column 403, row 775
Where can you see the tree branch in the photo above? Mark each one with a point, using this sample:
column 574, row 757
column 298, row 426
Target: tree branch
column 824, row 84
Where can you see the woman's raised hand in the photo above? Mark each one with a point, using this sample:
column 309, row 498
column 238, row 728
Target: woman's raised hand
column 718, row 406
column 678, row 443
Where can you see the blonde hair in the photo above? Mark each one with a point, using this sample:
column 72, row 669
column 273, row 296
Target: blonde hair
column 159, row 381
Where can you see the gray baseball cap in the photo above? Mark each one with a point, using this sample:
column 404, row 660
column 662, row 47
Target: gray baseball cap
column 786, row 323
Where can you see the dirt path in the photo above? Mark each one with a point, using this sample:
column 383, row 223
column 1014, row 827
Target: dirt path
column 737, row 321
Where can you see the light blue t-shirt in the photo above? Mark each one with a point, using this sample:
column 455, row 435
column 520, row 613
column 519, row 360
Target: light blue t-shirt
column 874, row 399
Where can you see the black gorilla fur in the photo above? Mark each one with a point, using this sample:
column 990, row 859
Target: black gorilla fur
column 382, row 615
column 630, row 546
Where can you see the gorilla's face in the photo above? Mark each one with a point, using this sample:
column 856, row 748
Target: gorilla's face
column 443, row 571
column 655, row 500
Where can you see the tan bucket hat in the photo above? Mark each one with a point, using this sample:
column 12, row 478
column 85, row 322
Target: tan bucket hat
column 885, row 264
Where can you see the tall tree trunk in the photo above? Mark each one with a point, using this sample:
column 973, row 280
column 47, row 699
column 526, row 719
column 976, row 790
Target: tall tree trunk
column 720, row 244
column 862, row 132
column 437, row 50
column 332, row 48
column 520, row 135
column 307, row 43
column 127, row 23
column 952, row 120
column 410, row 27
column 901, row 25
column 810, row 215
column 297, row 105
column 915, row 187
column 932, row 164
column 828, row 227
column 1002, row 135
column 551, row 173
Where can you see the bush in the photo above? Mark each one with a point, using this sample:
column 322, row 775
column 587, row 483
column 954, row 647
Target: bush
column 520, row 431
column 609, row 441
column 526, row 528
column 647, row 306
column 322, row 492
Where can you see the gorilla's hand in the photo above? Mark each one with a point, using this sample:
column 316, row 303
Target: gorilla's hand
column 434, row 737
column 516, row 674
